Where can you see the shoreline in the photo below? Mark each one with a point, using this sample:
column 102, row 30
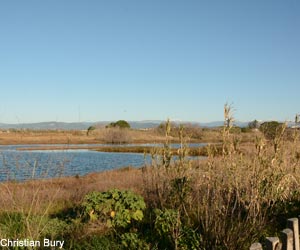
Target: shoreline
column 193, row 151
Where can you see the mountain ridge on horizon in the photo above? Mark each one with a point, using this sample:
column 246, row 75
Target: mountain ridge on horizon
column 143, row 124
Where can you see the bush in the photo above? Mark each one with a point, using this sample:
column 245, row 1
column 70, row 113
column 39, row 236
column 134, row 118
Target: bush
column 167, row 225
column 116, row 208
column 270, row 129
column 90, row 129
column 253, row 124
column 117, row 136
column 132, row 241
column 119, row 210
column 119, row 124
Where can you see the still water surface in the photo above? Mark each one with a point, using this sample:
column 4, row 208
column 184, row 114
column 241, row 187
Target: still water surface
column 22, row 165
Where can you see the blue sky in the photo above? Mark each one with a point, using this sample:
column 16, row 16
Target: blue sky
column 99, row 60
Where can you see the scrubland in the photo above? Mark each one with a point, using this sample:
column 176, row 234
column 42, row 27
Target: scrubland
column 105, row 135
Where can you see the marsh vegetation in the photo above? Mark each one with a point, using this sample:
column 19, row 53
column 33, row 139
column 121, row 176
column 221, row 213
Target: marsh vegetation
column 243, row 191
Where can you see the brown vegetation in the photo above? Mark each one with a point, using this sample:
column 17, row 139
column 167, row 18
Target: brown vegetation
column 239, row 194
column 114, row 135
column 193, row 151
column 60, row 192
column 102, row 135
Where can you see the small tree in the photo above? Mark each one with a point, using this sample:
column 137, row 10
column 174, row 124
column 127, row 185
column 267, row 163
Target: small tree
column 270, row 129
column 90, row 129
column 120, row 124
column 253, row 124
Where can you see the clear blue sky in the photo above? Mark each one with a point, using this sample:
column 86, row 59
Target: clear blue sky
column 70, row 60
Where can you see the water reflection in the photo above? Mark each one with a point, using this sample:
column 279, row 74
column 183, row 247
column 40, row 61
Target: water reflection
column 22, row 165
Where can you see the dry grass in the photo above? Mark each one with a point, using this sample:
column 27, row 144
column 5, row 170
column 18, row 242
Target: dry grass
column 60, row 192
column 45, row 137
column 73, row 137
column 234, row 198
column 100, row 135
column 27, row 208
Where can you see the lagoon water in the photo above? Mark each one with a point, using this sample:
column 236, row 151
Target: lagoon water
column 23, row 165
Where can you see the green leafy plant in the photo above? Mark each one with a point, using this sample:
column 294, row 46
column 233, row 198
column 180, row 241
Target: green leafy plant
column 132, row 241
column 166, row 221
column 167, row 224
column 190, row 239
column 115, row 207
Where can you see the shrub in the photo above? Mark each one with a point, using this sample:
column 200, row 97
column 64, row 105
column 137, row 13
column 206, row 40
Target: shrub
column 90, row 129
column 167, row 225
column 117, row 135
column 270, row 129
column 119, row 124
column 116, row 208
column 253, row 124
column 172, row 233
column 132, row 241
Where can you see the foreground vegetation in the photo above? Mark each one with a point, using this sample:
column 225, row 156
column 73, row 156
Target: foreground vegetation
column 238, row 195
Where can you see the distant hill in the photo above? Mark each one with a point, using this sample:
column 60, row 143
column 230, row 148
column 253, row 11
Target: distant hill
column 75, row 125
column 48, row 125
column 84, row 125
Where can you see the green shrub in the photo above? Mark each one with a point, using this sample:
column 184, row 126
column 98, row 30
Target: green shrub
column 115, row 207
column 120, row 124
column 253, row 124
column 270, row 129
column 167, row 226
column 166, row 221
column 132, row 241
column 190, row 239
column 174, row 233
